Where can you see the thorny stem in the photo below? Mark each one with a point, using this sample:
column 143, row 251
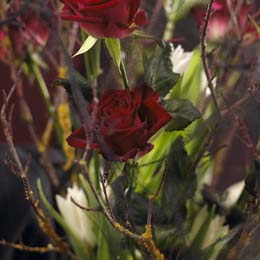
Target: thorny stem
column 244, row 136
column 7, row 128
column 109, row 208
column 153, row 197
column 204, row 55
column 144, row 240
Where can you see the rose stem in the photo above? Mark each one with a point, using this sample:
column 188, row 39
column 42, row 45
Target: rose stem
column 46, row 97
column 204, row 54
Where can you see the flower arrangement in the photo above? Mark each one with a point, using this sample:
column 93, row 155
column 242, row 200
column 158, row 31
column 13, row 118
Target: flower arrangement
column 143, row 141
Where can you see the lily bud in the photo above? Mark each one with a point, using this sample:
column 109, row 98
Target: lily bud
column 76, row 218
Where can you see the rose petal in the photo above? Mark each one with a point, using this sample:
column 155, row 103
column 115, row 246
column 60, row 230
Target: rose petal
column 141, row 18
column 155, row 115
column 105, row 19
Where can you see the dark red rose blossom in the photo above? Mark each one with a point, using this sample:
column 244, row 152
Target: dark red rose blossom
column 105, row 18
column 221, row 22
column 29, row 28
column 125, row 121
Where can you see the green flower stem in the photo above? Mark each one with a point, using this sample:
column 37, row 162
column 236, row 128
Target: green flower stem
column 170, row 6
column 92, row 59
column 114, row 49
column 46, row 97
column 175, row 10
column 124, row 75
column 170, row 25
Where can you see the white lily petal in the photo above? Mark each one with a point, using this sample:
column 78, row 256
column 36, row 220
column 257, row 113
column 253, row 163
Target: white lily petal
column 76, row 218
column 180, row 59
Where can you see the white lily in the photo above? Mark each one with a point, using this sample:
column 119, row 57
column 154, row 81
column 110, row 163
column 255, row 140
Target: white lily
column 233, row 193
column 76, row 218
column 180, row 59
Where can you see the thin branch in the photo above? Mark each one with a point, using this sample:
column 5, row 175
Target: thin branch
column 8, row 129
column 153, row 197
column 234, row 18
column 85, row 208
column 12, row 17
column 22, row 247
column 145, row 239
column 102, row 178
column 204, row 54
column 20, row 171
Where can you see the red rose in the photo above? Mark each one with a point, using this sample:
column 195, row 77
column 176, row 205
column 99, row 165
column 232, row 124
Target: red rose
column 105, row 18
column 126, row 119
column 28, row 29
column 31, row 31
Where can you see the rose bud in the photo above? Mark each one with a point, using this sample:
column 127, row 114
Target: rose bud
column 125, row 121
column 105, row 19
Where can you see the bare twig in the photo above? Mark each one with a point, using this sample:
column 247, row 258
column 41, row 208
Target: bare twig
column 153, row 197
column 12, row 17
column 155, row 14
column 102, row 179
column 22, row 247
column 145, row 239
column 28, row 118
column 21, row 173
column 8, row 129
column 204, row 54
column 233, row 16
column 85, row 208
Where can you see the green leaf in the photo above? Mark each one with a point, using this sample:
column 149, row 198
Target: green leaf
column 152, row 165
column 202, row 223
column 190, row 87
column 159, row 71
column 86, row 46
column 103, row 245
column 167, row 236
column 179, row 183
column 114, row 48
column 182, row 111
column 79, row 248
column 91, row 198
